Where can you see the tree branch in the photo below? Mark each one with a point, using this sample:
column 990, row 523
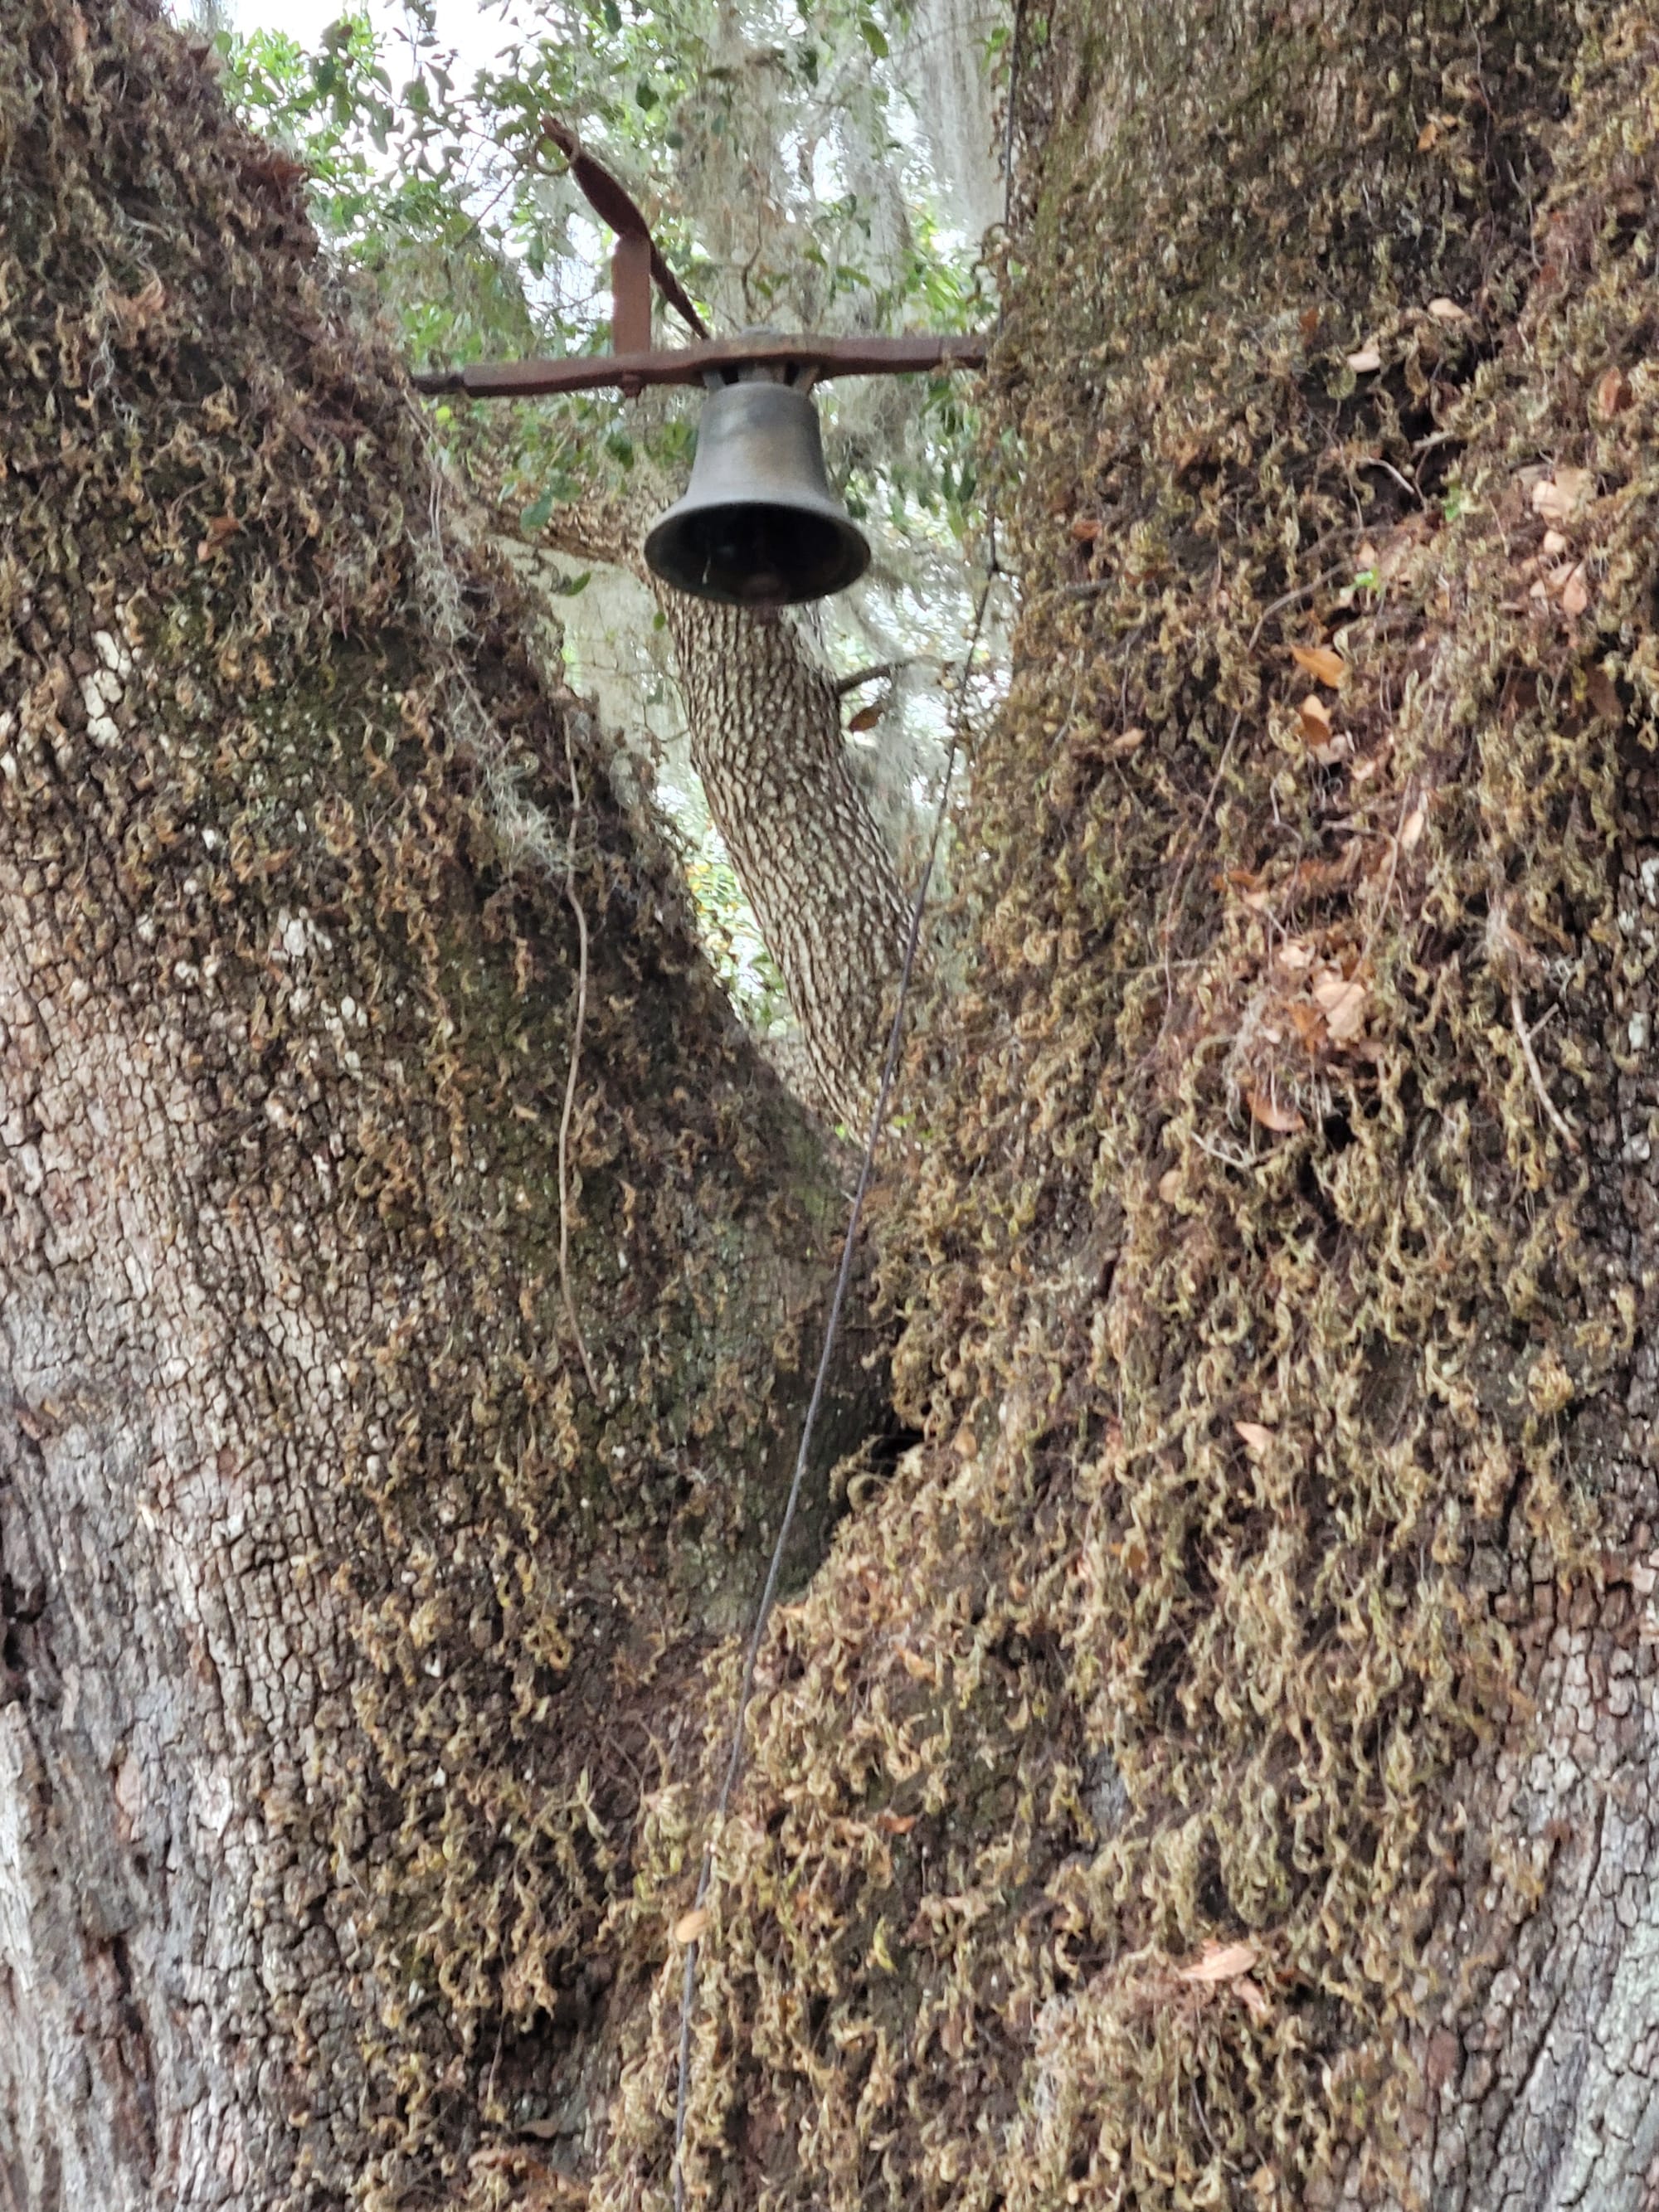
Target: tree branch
column 846, row 683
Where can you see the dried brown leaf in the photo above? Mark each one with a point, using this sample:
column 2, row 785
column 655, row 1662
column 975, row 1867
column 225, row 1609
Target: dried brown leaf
column 1558, row 497
column 1256, row 1438
column 1604, row 695
column 1321, row 663
column 1363, row 362
column 691, row 1925
column 1448, row 311
column 1315, row 718
column 1613, row 393
column 1285, row 1121
column 866, row 719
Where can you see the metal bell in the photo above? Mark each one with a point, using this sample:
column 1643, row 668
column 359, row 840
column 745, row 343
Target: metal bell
column 758, row 526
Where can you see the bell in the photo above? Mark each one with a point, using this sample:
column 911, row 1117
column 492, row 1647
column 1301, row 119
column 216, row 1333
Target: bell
column 758, row 526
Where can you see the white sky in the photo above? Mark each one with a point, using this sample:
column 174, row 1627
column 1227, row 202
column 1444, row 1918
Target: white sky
column 473, row 27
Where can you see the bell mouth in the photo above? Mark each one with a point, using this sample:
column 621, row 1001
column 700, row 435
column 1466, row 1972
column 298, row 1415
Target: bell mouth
column 752, row 553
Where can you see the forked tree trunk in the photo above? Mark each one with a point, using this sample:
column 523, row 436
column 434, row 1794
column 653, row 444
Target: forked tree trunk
column 1216, row 1768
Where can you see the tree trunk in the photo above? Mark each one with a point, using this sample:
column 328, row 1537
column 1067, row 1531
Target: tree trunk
column 764, row 720
column 1218, row 1769
column 1214, row 1769
column 347, row 1624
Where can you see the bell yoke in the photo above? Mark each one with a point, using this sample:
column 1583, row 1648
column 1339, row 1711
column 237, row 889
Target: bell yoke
column 759, row 525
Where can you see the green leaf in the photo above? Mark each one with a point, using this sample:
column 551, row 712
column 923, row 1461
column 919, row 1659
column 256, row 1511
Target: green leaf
column 646, row 94
column 873, row 36
column 570, row 587
column 612, row 15
column 538, row 513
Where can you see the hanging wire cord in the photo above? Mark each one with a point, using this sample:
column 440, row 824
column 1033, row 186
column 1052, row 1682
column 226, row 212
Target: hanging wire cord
column 844, row 1275
column 832, row 1330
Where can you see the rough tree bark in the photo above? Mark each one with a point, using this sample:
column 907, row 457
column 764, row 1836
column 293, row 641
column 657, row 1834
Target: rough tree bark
column 763, row 719
column 1214, row 1767
column 345, row 1627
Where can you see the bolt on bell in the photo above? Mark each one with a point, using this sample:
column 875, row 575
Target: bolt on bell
column 758, row 526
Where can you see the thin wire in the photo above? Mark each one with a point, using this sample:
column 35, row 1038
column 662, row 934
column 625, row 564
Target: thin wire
column 832, row 1325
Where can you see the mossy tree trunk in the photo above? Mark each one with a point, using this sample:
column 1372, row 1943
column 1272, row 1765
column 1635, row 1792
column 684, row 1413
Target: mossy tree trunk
column 358, row 1582
column 1215, row 1768
column 1218, row 1769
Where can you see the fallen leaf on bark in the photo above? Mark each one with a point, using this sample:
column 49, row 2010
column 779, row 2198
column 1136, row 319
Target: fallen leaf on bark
column 1084, row 531
column 866, row 719
column 1557, row 497
column 1319, row 662
column 1315, row 718
column 1575, row 592
column 1342, row 1002
column 1220, row 1962
column 1308, row 1023
column 1604, row 695
column 1284, row 1120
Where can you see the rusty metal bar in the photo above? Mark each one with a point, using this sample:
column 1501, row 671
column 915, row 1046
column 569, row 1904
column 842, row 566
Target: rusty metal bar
column 500, row 380
column 630, row 296
column 611, row 202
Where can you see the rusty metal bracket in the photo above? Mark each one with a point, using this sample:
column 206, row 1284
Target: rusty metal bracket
column 637, row 264
column 693, row 364
column 632, row 270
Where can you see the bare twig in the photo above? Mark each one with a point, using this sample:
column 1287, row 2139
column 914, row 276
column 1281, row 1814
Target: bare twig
column 576, row 1062
column 1289, row 599
column 1557, row 1120
column 846, row 683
